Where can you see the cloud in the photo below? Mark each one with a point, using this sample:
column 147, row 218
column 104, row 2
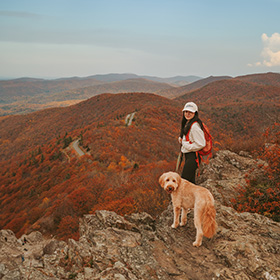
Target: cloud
column 270, row 52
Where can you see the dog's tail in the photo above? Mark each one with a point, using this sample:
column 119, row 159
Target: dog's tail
column 209, row 221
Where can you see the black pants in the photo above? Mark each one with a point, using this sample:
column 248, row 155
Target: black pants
column 190, row 167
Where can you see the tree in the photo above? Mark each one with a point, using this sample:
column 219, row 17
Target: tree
column 68, row 228
column 82, row 200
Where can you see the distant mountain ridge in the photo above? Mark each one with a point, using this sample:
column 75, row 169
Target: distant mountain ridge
column 10, row 90
column 235, row 90
column 173, row 93
column 269, row 79
column 121, row 86
column 265, row 79
column 119, row 77
column 24, row 95
column 28, row 86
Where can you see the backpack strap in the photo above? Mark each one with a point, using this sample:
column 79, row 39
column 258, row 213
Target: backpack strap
column 187, row 135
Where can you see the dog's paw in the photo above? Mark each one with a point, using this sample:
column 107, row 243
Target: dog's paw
column 174, row 226
column 183, row 224
column 196, row 244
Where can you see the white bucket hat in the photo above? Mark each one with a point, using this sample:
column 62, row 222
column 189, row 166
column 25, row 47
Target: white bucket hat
column 190, row 106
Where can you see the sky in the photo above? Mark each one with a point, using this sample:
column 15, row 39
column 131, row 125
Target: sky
column 164, row 38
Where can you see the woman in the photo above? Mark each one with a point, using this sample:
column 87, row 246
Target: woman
column 192, row 140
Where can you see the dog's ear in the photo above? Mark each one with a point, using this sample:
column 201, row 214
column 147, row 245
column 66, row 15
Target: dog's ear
column 179, row 179
column 161, row 179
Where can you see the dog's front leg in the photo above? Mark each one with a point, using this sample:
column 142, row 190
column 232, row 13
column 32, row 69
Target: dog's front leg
column 184, row 217
column 176, row 211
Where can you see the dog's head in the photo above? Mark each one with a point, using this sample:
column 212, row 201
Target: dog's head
column 170, row 181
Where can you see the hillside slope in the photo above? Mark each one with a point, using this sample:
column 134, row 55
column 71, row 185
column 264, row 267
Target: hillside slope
column 269, row 79
column 176, row 92
column 130, row 85
column 63, row 92
column 12, row 90
column 22, row 132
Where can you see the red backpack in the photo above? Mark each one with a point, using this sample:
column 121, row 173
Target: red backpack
column 207, row 150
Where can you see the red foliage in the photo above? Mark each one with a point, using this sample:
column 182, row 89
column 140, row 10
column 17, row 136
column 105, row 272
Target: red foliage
column 17, row 225
column 68, row 228
column 122, row 206
column 262, row 195
column 271, row 152
column 81, row 199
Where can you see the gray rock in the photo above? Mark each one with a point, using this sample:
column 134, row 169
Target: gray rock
column 52, row 246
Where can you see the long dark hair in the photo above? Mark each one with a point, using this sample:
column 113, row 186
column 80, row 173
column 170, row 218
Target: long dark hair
column 186, row 125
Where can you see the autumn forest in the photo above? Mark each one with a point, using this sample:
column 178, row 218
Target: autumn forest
column 47, row 186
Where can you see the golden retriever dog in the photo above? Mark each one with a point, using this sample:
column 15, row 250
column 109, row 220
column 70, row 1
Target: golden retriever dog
column 186, row 195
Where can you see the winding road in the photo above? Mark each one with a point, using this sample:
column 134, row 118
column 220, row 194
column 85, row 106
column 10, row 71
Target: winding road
column 129, row 119
column 77, row 148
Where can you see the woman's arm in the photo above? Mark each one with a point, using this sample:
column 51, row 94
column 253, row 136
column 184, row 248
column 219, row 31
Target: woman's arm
column 197, row 140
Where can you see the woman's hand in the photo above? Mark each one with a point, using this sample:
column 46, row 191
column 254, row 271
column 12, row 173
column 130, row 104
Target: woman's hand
column 180, row 140
column 186, row 145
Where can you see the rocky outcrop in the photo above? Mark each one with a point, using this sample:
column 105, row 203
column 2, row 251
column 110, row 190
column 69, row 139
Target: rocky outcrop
column 228, row 171
column 246, row 246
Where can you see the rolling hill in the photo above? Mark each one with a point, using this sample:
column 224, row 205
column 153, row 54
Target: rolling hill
column 62, row 92
column 177, row 80
column 176, row 92
column 26, row 95
column 129, row 85
column 13, row 90
column 268, row 79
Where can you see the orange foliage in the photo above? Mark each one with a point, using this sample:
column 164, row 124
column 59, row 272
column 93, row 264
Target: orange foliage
column 271, row 152
column 122, row 206
column 68, row 228
column 17, row 225
column 262, row 195
column 81, row 200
